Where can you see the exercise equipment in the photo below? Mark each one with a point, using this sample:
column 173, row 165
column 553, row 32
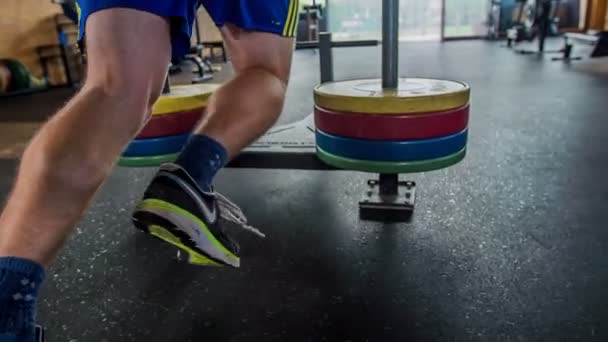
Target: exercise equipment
column 388, row 198
column 19, row 76
column 411, row 95
column 385, row 167
column 392, row 127
column 597, row 40
column 338, row 44
column 155, row 146
column 545, row 25
column 169, row 125
column 311, row 21
column 391, row 150
column 15, row 79
column 493, row 19
column 182, row 98
column 523, row 28
column 537, row 20
column 204, row 69
column 147, row 161
column 174, row 116
column 293, row 146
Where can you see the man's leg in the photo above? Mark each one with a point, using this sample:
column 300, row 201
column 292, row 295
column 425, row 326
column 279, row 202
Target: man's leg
column 179, row 205
column 250, row 103
column 67, row 161
column 245, row 107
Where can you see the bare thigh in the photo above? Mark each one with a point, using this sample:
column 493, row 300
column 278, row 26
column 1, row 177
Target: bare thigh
column 253, row 49
column 127, row 50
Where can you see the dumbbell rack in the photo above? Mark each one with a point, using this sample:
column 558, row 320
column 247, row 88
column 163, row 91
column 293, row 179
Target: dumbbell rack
column 293, row 146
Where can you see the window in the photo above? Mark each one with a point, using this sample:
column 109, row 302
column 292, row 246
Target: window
column 466, row 18
column 362, row 19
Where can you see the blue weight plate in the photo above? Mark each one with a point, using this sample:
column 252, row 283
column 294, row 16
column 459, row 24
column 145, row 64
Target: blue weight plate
column 392, row 150
column 155, row 146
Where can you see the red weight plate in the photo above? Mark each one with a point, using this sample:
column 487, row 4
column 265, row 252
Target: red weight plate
column 171, row 124
column 392, row 127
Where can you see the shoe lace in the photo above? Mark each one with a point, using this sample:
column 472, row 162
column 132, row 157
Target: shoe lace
column 231, row 212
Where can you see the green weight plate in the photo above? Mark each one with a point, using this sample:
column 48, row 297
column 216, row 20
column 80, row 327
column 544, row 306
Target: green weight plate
column 390, row 167
column 18, row 81
column 151, row 161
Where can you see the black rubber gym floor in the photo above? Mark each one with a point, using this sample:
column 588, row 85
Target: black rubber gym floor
column 509, row 245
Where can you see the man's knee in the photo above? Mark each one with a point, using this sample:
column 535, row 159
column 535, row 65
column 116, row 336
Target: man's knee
column 127, row 83
column 128, row 53
column 132, row 91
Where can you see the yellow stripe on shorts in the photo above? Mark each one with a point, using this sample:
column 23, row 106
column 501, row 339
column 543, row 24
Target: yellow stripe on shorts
column 79, row 12
column 294, row 23
column 291, row 18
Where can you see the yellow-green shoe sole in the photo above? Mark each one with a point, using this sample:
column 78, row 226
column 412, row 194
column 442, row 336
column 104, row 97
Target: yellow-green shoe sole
column 194, row 257
column 156, row 206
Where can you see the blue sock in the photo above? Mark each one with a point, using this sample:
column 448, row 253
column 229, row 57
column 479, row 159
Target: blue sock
column 202, row 158
column 20, row 280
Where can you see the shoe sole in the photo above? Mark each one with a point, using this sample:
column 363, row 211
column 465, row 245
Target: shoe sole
column 205, row 250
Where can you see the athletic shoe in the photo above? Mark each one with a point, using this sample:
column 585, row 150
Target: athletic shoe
column 176, row 210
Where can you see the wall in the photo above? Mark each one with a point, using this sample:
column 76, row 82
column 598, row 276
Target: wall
column 582, row 20
column 209, row 32
column 25, row 24
column 597, row 15
column 606, row 20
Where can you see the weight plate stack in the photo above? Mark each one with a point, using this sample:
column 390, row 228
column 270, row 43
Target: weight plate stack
column 420, row 126
column 184, row 98
column 174, row 116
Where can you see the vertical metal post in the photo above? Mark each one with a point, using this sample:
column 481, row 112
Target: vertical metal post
column 443, row 20
column 390, row 44
column 389, row 184
column 390, row 73
column 326, row 61
column 326, row 27
column 388, row 199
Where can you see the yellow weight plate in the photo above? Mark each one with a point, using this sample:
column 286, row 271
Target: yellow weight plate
column 414, row 95
column 184, row 98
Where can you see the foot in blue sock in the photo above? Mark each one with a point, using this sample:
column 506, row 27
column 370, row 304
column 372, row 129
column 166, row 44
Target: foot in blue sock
column 202, row 158
column 20, row 280
column 181, row 208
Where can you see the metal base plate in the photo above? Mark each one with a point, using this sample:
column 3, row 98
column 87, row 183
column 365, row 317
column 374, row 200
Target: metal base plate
column 388, row 208
column 289, row 146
